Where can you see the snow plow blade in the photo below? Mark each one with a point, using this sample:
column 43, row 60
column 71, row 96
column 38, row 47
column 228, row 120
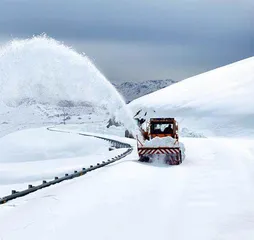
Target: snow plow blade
column 170, row 155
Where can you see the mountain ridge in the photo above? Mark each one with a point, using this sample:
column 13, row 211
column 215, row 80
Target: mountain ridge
column 133, row 90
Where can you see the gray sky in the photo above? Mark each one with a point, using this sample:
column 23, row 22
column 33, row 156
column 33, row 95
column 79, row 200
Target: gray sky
column 140, row 39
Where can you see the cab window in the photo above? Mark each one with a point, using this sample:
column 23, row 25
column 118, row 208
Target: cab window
column 161, row 128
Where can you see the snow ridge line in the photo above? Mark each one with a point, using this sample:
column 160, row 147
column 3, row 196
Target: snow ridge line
column 117, row 144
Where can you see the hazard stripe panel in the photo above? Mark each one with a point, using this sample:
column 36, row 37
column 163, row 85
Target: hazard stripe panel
column 173, row 151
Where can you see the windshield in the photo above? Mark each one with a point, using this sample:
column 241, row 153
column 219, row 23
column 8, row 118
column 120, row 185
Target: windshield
column 157, row 128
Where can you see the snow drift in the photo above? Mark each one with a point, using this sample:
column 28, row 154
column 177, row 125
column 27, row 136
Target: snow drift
column 41, row 144
column 216, row 103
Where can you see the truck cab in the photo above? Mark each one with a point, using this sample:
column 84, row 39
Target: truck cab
column 163, row 127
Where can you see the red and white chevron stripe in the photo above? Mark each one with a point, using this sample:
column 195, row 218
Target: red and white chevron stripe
column 144, row 151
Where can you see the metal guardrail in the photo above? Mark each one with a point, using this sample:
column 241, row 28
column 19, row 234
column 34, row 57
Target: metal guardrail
column 116, row 144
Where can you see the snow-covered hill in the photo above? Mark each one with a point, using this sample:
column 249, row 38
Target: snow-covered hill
column 133, row 90
column 216, row 103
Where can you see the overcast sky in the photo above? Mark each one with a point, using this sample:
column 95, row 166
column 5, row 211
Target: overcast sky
column 132, row 40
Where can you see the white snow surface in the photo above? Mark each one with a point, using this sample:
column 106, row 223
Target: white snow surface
column 40, row 145
column 161, row 142
column 29, row 156
column 210, row 196
column 216, row 103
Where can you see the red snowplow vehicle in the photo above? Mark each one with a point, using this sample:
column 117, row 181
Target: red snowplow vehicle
column 160, row 141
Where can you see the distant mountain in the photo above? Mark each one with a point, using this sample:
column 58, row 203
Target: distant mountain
column 133, row 90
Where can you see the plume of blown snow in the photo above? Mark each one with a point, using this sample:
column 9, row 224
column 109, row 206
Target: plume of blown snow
column 47, row 71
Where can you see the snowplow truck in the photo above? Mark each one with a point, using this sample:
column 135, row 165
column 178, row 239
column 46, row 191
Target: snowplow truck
column 160, row 141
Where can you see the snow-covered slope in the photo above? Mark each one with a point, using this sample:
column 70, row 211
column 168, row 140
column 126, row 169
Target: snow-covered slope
column 218, row 103
column 133, row 90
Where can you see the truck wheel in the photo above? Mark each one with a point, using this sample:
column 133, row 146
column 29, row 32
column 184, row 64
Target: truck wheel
column 144, row 159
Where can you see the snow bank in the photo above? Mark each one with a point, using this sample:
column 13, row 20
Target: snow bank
column 29, row 156
column 41, row 144
column 185, row 132
column 216, row 103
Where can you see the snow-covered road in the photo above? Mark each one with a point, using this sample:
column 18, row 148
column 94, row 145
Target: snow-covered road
column 209, row 196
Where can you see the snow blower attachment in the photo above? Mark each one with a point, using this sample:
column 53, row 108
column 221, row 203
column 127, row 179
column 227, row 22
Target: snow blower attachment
column 160, row 141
